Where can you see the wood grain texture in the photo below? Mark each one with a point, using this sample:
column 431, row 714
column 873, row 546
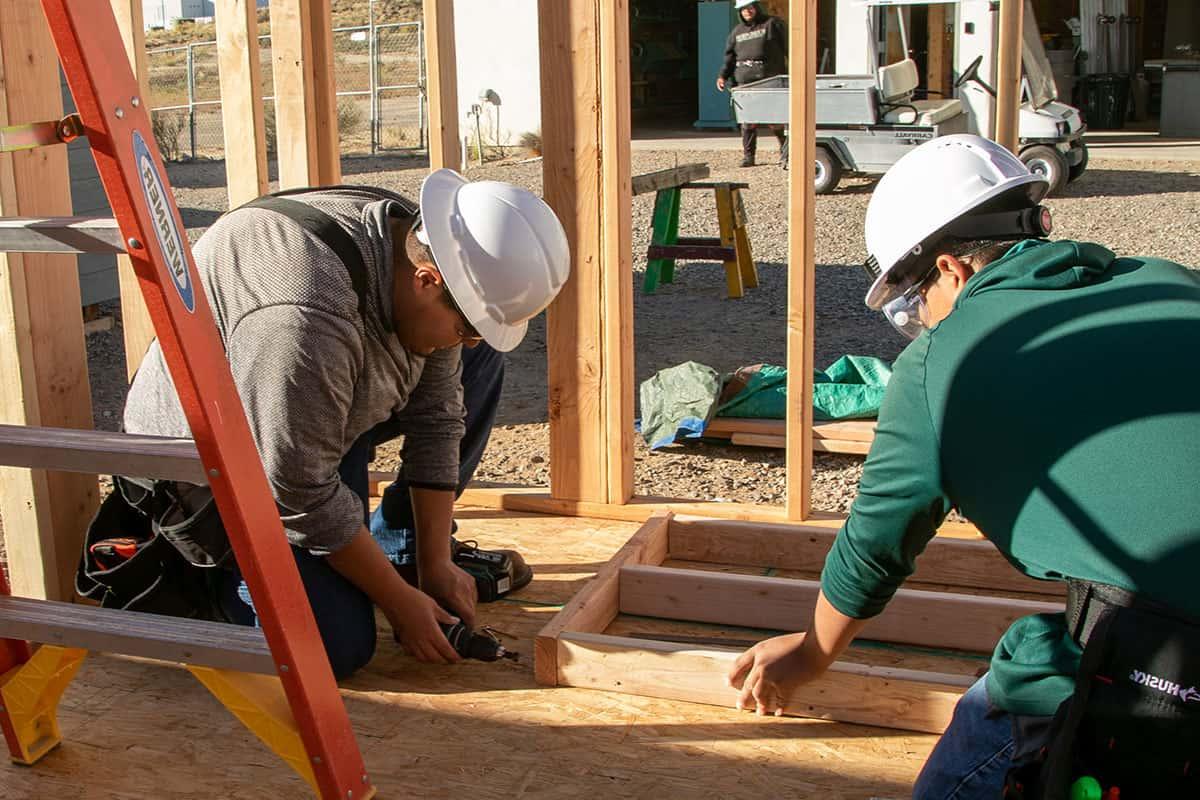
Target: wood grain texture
column 669, row 178
column 927, row 619
column 43, row 357
column 946, row 561
column 616, row 242
column 801, row 310
column 889, row 698
column 241, row 100
column 594, row 607
column 441, row 73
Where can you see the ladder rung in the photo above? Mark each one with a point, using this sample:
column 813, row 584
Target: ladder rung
column 60, row 235
column 101, row 453
column 131, row 633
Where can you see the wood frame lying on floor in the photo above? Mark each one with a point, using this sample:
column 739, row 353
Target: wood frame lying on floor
column 573, row 650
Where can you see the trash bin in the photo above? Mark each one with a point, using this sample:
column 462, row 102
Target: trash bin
column 1104, row 100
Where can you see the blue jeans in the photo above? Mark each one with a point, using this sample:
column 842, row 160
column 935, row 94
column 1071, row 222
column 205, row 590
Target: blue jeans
column 345, row 615
column 976, row 752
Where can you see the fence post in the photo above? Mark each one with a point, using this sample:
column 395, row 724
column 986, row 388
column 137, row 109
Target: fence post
column 191, row 84
column 372, row 68
column 421, row 93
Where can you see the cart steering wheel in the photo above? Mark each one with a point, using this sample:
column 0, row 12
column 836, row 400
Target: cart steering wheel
column 971, row 74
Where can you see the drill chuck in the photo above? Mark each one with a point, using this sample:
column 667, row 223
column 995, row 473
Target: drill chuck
column 480, row 645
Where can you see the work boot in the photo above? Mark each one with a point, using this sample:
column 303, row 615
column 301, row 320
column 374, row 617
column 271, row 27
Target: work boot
column 503, row 563
column 748, row 160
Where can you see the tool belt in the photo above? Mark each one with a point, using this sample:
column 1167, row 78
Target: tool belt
column 155, row 546
column 1133, row 723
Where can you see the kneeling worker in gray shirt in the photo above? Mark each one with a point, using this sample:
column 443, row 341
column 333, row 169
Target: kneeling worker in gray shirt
column 351, row 316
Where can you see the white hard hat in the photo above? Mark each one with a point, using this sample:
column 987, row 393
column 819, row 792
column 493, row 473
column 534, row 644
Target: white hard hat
column 740, row 4
column 500, row 249
column 960, row 186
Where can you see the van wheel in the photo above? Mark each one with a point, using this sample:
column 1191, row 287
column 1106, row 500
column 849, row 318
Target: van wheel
column 828, row 172
column 1049, row 163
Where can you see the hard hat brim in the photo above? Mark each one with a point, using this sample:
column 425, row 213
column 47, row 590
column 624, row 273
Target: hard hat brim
column 439, row 199
column 1033, row 187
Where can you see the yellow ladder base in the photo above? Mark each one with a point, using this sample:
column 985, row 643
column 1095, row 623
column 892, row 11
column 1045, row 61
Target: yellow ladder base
column 30, row 694
column 259, row 702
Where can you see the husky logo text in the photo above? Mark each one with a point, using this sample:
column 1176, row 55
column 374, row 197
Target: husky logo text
column 1188, row 695
column 170, row 243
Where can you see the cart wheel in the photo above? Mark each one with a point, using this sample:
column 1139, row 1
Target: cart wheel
column 1077, row 170
column 828, row 171
column 1049, row 163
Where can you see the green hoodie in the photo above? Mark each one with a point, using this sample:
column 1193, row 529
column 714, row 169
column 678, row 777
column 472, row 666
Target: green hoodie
column 1058, row 408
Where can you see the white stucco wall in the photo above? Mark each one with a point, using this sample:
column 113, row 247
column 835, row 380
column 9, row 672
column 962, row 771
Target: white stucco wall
column 497, row 48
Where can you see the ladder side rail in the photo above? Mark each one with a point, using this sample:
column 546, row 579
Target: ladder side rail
column 132, row 172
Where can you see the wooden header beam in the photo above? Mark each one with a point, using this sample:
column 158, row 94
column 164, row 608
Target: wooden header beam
column 441, row 80
column 802, row 202
column 584, row 48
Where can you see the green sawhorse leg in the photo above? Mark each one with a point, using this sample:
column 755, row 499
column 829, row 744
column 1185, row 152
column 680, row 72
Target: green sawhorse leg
column 664, row 231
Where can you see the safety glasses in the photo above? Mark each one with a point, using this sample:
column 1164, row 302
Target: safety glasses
column 906, row 312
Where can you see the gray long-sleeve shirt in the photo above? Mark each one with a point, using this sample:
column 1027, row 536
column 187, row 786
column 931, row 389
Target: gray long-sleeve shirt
column 313, row 375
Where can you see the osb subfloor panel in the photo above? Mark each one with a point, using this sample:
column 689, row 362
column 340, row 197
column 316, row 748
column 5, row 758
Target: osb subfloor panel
column 135, row 729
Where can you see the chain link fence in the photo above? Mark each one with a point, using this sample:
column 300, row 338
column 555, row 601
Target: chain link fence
column 379, row 73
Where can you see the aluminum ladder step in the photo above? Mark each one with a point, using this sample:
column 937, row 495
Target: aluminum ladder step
column 132, row 633
column 101, row 453
column 60, row 235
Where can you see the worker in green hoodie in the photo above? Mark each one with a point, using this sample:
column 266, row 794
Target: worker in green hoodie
column 1049, row 397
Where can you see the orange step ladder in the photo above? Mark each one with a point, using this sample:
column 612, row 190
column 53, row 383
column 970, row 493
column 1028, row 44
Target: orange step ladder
column 277, row 680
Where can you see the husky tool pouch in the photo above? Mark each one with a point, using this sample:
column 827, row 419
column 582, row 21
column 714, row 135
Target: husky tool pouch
column 1133, row 723
column 155, row 546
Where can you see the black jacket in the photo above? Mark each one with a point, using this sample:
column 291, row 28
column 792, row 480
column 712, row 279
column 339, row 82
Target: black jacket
column 763, row 42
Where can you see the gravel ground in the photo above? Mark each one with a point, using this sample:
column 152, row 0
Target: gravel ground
column 1144, row 208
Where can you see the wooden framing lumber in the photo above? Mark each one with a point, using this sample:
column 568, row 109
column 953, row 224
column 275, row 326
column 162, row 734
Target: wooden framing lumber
column 854, row 430
column 669, row 178
column 890, row 698
column 820, row 445
column 42, row 353
column 1009, row 48
column 923, row 618
column 573, row 649
column 801, row 311
column 305, row 94
column 537, row 500
column 585, row 122
column 136, row 326
column 241, row 100
column 441, row 78
column 110, row 630
column 956, row 563
column 93, row 452
column 593, row 608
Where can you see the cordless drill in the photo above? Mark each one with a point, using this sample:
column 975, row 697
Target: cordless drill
column 481, row 645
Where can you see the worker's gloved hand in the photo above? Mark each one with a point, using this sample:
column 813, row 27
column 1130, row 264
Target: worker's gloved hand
column 416, row 623
column 450, row 585
column 768, row 673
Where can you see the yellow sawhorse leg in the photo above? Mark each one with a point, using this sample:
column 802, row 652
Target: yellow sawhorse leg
column 733, row 275
column 261, row 705
column 30, row 693
column 741, row 243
